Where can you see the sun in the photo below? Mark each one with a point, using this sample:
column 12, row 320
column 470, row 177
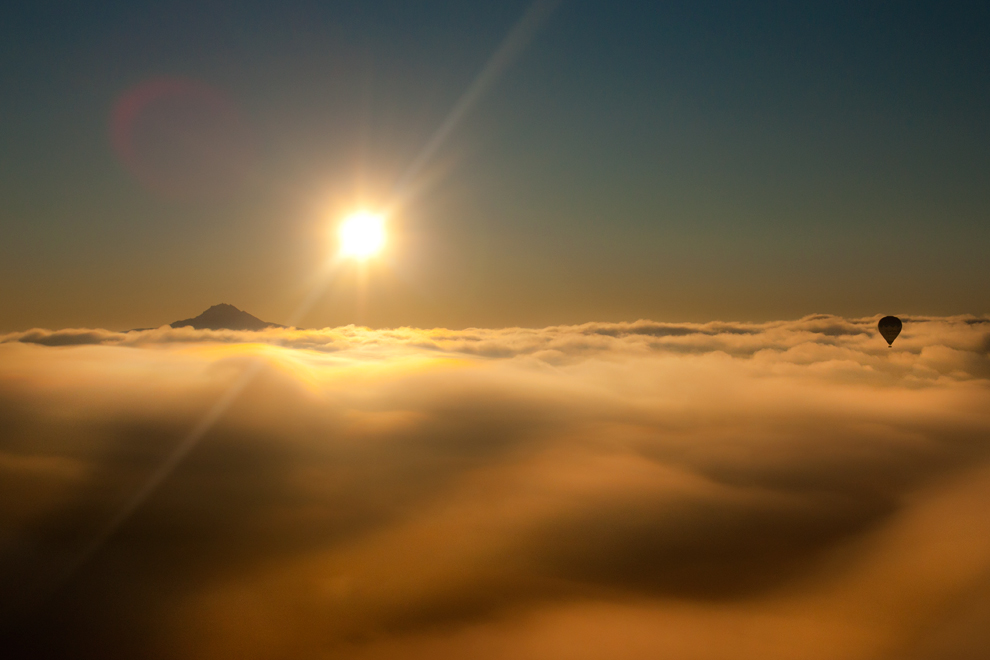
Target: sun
column 362, row 235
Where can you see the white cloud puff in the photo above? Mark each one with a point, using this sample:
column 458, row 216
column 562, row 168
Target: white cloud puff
column 792, row 489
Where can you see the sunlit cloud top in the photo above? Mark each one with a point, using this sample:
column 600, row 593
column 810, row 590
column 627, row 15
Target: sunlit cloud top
column 409, row 493
column 929, row 347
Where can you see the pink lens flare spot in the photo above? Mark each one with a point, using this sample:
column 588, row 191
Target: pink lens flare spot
column 181, row 138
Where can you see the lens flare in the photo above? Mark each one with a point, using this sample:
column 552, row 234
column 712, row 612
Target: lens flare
column 362, row 235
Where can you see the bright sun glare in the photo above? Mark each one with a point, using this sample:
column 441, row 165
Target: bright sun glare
column 362, row 234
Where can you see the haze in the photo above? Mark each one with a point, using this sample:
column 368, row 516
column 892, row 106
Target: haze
column 549, row 330
column 681, row 161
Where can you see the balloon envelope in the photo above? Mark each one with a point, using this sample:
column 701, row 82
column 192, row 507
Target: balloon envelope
column 889, row 327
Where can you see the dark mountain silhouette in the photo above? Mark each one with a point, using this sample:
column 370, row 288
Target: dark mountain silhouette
column 225, row 317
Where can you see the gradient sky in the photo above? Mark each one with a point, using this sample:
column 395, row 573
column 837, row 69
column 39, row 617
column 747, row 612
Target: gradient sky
column 675, row 161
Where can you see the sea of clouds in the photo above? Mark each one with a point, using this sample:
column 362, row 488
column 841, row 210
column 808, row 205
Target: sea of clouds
column 792, row 490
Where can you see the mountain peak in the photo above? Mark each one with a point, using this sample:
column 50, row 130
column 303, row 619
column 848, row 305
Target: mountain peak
column 225, row 317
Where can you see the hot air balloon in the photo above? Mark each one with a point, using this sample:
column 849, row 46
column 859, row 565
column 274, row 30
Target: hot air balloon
column 889, row 327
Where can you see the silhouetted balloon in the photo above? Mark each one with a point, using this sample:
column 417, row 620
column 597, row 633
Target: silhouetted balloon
column 889, row 327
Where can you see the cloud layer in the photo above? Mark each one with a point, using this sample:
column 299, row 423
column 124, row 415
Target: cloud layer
column 782, row 490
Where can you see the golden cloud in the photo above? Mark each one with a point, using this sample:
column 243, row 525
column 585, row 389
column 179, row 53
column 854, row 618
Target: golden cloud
column 780, row 490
